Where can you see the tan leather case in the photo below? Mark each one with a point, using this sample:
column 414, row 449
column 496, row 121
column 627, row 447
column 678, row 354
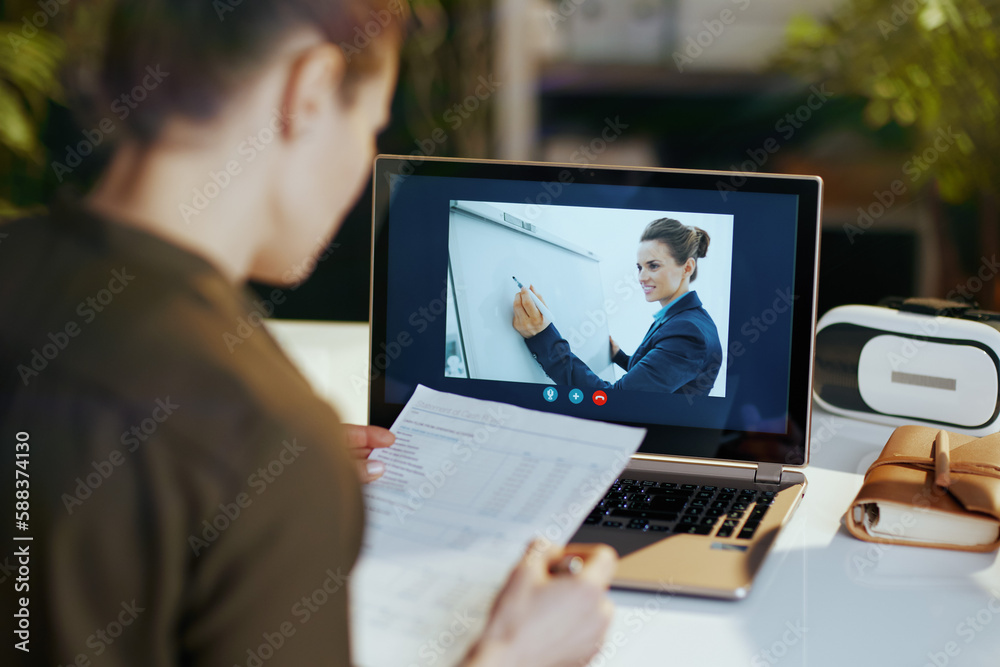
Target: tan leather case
column 904, row 473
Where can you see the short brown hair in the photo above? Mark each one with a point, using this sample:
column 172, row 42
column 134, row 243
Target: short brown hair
column 208, row 47
column 684, row 241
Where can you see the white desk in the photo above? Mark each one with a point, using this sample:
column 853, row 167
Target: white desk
column 821, row 598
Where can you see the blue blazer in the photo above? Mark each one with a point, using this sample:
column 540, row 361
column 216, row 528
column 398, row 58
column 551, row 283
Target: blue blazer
column 680, row 353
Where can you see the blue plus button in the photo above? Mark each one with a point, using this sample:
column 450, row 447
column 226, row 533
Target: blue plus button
column 575, row 396
column 550, row 394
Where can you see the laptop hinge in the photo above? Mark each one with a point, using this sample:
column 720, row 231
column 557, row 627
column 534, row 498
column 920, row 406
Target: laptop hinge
column 768, row 473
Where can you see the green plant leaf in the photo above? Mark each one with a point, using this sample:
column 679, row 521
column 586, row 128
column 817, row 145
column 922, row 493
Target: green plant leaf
column 17, row 127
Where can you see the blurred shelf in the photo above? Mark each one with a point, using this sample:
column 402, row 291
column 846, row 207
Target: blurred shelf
column 572, row 78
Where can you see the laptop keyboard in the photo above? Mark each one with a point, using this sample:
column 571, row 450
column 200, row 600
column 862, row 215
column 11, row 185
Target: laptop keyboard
column 668, row 507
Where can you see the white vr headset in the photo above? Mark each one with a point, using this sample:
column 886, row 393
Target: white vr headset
column 912, row 361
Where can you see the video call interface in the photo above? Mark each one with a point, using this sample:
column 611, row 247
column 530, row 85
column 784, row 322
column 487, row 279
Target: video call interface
column 610, row 325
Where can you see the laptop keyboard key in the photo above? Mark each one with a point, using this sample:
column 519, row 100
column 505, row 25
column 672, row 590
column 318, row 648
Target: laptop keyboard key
column 749, row 528
column 664, row 505
column 643, row 514
column 691, row 509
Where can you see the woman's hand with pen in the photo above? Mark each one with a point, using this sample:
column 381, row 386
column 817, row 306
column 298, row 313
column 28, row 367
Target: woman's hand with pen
column 529, row 320
column 554, row 609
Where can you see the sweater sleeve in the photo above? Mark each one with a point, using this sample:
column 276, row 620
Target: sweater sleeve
column 553, row 353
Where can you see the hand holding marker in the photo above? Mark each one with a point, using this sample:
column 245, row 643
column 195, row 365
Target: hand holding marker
column 546, row 313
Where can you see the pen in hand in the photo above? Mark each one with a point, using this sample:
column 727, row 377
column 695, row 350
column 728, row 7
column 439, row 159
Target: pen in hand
column 542, row 308
column 571, row 565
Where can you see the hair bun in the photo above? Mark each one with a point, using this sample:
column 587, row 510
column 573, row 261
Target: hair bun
column 703, row 241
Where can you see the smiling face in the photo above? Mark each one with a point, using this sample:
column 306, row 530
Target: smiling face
column 660, row 276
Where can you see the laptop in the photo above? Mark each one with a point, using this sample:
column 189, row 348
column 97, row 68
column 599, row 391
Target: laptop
column 720, row 376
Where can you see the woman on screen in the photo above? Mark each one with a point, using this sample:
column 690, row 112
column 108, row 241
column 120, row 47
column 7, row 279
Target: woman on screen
column 680, row 352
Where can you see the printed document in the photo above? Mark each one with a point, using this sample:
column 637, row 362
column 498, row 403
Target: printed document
column 468, row 485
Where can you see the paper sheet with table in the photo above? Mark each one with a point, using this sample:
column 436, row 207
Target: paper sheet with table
column 468, row 485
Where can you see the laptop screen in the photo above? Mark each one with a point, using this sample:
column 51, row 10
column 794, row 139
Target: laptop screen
column 680, row 301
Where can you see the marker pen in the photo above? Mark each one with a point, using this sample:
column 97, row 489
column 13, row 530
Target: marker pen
column 546, row 313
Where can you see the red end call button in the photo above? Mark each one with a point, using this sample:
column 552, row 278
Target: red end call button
column 600, row 398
